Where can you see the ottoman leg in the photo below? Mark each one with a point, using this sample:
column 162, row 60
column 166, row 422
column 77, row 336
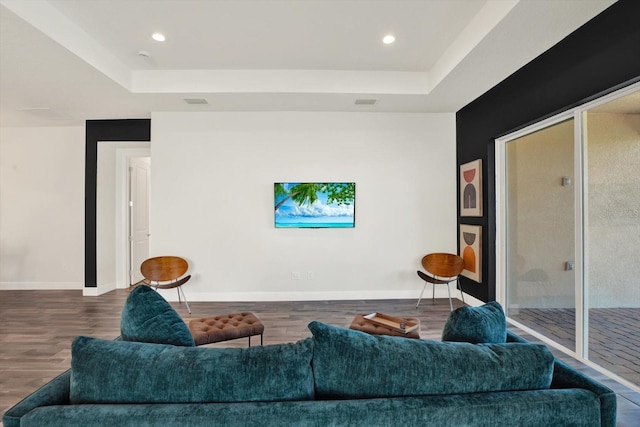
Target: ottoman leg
column 261, row 342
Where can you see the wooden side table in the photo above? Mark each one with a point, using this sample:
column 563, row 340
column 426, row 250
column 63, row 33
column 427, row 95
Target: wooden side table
column 359, row 323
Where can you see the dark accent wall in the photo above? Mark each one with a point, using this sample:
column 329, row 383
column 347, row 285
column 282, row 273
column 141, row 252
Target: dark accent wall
column 102, row 130
column 600, row 57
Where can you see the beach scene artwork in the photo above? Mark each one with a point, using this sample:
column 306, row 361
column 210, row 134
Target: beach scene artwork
column 314, row 204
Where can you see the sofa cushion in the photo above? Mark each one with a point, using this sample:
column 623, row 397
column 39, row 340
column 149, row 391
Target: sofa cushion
column 484, row 324
column 148, row 317
column 132, row 372
column 352, row 364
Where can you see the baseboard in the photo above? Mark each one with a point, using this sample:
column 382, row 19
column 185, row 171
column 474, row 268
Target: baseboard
column 97, row 290
column 40, row 286
column 172, row 295
column 472, row 301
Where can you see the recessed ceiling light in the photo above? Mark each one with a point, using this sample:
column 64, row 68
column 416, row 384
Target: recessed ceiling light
column 159, row 37
column 388, row 39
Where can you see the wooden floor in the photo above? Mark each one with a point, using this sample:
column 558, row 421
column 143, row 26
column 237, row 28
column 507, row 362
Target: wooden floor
column 37, row 327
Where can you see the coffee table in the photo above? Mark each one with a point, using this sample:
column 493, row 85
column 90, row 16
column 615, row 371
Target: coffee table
column 360, row 323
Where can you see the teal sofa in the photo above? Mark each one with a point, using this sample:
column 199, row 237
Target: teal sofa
column 337, row 377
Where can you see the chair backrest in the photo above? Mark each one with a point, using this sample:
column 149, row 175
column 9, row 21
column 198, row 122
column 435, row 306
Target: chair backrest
column 443, row 264
column 164, row 268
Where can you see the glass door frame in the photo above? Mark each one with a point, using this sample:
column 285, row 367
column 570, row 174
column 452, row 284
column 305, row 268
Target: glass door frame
column 579, row 115
column 501, row 223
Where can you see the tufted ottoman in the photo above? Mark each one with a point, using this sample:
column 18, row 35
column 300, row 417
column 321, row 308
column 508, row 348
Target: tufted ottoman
column 208, row 330
column 359, row 323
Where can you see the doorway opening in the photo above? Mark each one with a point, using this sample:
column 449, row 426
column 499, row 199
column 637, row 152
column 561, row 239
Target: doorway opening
column 139, row 174
column 113, row 212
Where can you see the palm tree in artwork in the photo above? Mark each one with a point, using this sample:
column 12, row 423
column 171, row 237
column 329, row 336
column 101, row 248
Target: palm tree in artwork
column 307, row 193
column 302, row 194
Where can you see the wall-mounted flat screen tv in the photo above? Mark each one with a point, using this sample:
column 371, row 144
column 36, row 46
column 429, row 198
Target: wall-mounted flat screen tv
column 315, row 204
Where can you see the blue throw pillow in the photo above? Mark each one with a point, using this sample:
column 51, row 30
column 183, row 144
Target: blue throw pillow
column 132, row 372
column 484, row 324
column 148, row 317
column 349, row 364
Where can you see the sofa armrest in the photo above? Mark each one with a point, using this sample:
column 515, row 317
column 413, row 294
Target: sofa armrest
column 55, row 392
column 564, row 376
column 511, row 337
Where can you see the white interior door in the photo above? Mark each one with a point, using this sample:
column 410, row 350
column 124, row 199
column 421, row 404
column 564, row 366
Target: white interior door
column 139, row 193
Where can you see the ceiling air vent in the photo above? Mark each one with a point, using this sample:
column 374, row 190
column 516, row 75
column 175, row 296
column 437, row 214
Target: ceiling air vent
column 195, row 101
column 365, row 101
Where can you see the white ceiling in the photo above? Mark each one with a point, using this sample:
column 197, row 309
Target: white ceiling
column 65, row 61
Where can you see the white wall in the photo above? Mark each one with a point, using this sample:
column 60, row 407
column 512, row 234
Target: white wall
column 212, row 201
column 42, row 208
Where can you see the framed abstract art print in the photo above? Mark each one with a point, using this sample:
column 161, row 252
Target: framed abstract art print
column 471, row 251
column 471, row 188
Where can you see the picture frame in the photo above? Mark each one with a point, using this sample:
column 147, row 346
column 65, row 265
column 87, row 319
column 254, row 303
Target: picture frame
column 471, row 188
column 471, row 251
column 314, row 204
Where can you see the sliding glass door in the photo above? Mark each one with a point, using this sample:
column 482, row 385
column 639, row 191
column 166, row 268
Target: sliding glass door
column 612, row 235
column 568, row 227
column 540, row 231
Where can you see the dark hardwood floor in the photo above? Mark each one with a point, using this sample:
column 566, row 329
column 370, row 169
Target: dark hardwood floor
column 37, row 327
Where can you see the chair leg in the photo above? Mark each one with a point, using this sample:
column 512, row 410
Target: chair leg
column 423, row 288
column 433, row 292
column 449, row 291
column 179, row 288
column 460, row 287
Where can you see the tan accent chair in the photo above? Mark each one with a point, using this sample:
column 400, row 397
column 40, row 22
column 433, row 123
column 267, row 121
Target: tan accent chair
column 165, row 272
column 441, row 269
